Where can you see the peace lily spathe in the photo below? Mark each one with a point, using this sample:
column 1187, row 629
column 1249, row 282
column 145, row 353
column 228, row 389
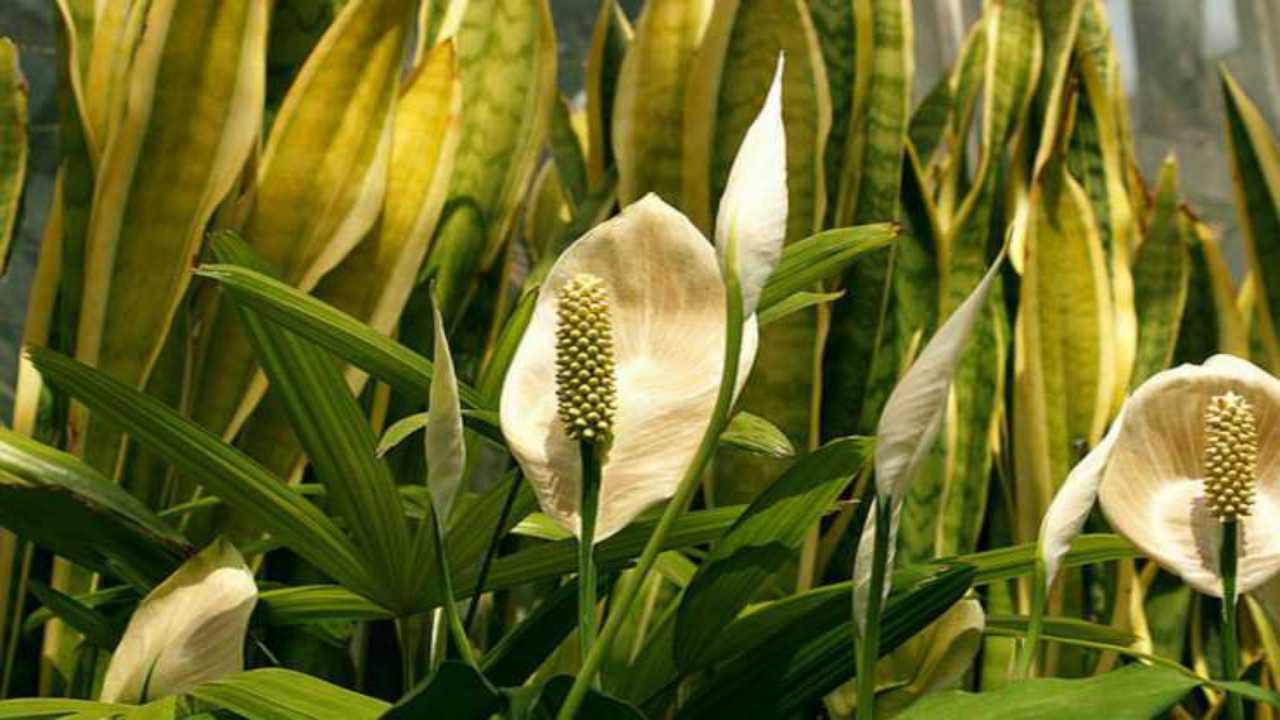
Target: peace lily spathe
column 664, row 303
column 189, row 630
column 1165, row 475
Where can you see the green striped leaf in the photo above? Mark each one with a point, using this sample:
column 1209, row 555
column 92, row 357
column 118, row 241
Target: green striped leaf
column 1161, row 274
column 221, row 469
column 282, row 694
column 610, row 39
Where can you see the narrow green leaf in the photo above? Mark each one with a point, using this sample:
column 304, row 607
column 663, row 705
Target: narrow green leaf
column 762, row 541
column 756, row 435
column 797, row 302
column 824, row 255
column 224, row 471
column 95, row 626
column 1161, row 273
column 281, row 694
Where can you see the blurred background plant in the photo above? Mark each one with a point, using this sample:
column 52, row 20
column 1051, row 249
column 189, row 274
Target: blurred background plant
column 373, row 151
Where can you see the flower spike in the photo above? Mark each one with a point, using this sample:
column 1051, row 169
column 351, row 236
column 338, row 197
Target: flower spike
column 586, row 386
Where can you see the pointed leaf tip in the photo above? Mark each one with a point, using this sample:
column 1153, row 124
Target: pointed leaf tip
column 751, row 225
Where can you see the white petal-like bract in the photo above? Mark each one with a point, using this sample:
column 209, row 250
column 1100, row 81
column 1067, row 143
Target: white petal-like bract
column 446, row 451
column 667, row 309
column 1071, row 506
column 1152, row 490
column 751, row 224
column 913, row 413
column 189, row 630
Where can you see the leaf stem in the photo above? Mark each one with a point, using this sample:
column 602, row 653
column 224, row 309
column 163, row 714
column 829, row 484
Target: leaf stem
column 869, row 643
column 586, row 547
column 492, row 551
column 627, row 593
column 1230, row 642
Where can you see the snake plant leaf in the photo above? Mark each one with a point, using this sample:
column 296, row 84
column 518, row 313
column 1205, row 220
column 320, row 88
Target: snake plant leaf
column 446, row 449
column 1136, row 691
column 1059, row 25
column 668, row 325
column 319, row 186
column 189, row 630
column 1255, row 172
column 1161, row 274
column 507, row 61
column 650, row 99
column 115, row 34
column 610, row 39
column 287, row 695
column 1105, row 182
column 196, row 89
column 869, row 181
column 1066, row 366
column 1211, row 321
column 13, row 143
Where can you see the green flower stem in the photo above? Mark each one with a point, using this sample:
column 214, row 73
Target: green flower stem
column 586, row 546
column 1034, row 626
column 409, row 631
column 1230, row 642
column 454, row 621
column 869, row 643
column 626, row 594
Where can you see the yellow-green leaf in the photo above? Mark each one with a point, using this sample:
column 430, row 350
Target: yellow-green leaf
column 13, row 143
column 195, row 96
column 1161, row 272
column 507, row 58
column 648, row 111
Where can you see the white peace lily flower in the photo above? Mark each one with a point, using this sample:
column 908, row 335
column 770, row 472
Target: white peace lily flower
column 189, row 630
column 1184, row 456
column 908, row 427
column 648, row 283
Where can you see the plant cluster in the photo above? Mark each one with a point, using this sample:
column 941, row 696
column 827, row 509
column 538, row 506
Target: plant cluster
column 367, row 377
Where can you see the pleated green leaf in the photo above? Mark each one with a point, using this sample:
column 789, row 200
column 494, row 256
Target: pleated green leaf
column 339, row 443
column 822, row 256
column 507, row 61
column 195, row 93
column 819, row 655
column 224, row 471
column 1161, row 273
column 96, row 627
column 13, row 143
column 757, row 435
column 55, row 500
column 281, row 694
column 1135, row 692
column 765, row 538
column 37, row 708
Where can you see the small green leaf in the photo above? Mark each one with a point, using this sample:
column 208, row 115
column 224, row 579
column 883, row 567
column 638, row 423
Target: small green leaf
column 400, row 431
column 756, row 435
column 455, row 691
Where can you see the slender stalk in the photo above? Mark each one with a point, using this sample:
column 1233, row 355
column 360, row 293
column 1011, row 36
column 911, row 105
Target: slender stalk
column 626, row 595
column 869, row 643
column 454, row 621
column 586, row 546
column 410, row 646
column 492, row 551
column 1230, row 642
column 1031, row 644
